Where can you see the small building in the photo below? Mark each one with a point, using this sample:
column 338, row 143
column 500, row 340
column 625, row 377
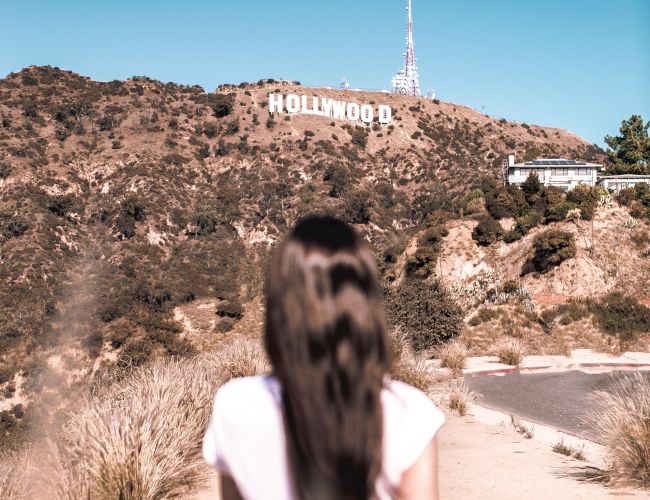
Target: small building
column 558, row 172
column 617, row 182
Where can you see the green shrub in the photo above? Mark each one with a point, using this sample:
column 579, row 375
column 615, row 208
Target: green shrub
column 551, row 249
column 487, row 231
column 12, row 226
column 512, row 235
column 531, row 185
column 232, row 127
column 357, row 208
column 211, row 129
column 5, row 170
column 527, row 221
column 425, row 311
column 586, row 198
column 360, row 137
column 338, row 176
column 623, row 316
column 484, row 315
column 230, row 309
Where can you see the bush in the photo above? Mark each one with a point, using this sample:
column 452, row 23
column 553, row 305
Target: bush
column 527, row 221
column 551, row 249
column 230, row 309
column 512, row 236
column 484, row 315
column 338, row 176
column 360, row 137
column 221, row 104
column 356, row 208
column 211, row 129
column 12, row 226
column 623, row 316
column 5, row 170
column 232, row 127
column 586, row 198
column 487, row 231
column 424, row 311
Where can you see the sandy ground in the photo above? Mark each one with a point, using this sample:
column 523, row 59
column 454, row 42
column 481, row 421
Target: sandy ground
column 483, row 461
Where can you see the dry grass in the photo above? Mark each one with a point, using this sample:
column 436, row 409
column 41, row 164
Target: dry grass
column 510, row 351
column 569, row 450
column 459, row 396
column 13, row 475
column 453, row 355
column 241, row 358
column 527, row 431
column 623, row 419
column 143, row 439
column 407, row 367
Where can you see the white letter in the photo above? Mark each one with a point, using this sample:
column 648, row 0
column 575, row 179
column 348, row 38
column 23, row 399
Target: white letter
column 353, row 112
column 303, row 105
column 367, row 113
column 293, row 103
column 385, row 114
column 327, row 105
column 275, row 103
column 314, row 106
column 338, row 108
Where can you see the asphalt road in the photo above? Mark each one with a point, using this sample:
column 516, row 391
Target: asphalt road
column 561, row 400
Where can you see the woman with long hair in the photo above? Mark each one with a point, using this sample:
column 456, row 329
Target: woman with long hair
column 329, row 422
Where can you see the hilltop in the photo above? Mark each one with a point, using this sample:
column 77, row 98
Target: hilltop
column 137, row 215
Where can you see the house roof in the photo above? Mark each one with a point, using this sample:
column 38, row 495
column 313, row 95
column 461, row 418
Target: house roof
column 625, row 176
column 557, row 162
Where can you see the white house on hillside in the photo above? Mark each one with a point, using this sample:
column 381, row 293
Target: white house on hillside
column 618, row 182
column 563, row 174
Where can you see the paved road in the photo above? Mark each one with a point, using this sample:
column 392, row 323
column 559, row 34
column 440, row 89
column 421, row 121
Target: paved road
column 561, row 400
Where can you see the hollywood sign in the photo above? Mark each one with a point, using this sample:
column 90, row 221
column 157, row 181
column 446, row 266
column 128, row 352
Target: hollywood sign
column 322, row 106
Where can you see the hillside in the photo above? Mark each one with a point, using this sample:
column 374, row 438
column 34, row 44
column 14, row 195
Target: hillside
column 134, row 211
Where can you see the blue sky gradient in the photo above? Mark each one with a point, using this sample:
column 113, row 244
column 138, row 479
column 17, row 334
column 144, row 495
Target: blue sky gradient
column 582, row 65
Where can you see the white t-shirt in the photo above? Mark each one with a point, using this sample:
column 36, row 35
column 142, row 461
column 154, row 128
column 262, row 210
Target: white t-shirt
column 245, row 438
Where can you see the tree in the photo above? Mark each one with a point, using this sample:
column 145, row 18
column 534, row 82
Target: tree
column 630, row 151
column 531, row 185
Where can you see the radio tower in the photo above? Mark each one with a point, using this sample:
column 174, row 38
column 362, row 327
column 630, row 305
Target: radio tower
column 407, row 80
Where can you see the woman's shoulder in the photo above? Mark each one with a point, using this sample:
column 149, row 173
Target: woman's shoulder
column 246, row 397
column 412, row 407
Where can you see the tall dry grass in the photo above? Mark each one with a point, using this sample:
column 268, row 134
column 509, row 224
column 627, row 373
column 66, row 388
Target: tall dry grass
column 14, row 468
column 510, row 351
column 622, row 417
column 453, row 355
column 407, row 366
column 459, row 396
column 140, row 439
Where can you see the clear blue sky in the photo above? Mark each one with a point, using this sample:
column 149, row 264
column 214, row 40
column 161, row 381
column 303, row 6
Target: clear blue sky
column 583, row 65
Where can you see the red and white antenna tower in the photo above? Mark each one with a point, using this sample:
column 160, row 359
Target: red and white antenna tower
column 407, row 80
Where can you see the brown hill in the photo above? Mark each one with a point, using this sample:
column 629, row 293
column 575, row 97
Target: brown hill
column 124, row 203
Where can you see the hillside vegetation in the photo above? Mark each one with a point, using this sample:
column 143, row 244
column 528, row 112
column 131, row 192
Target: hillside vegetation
column 136, row 218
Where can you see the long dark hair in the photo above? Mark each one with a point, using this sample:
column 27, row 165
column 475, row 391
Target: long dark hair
column 326, row 341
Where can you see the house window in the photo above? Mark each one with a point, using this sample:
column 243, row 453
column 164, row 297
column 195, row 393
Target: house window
column 583, row 171
column 560, row 171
